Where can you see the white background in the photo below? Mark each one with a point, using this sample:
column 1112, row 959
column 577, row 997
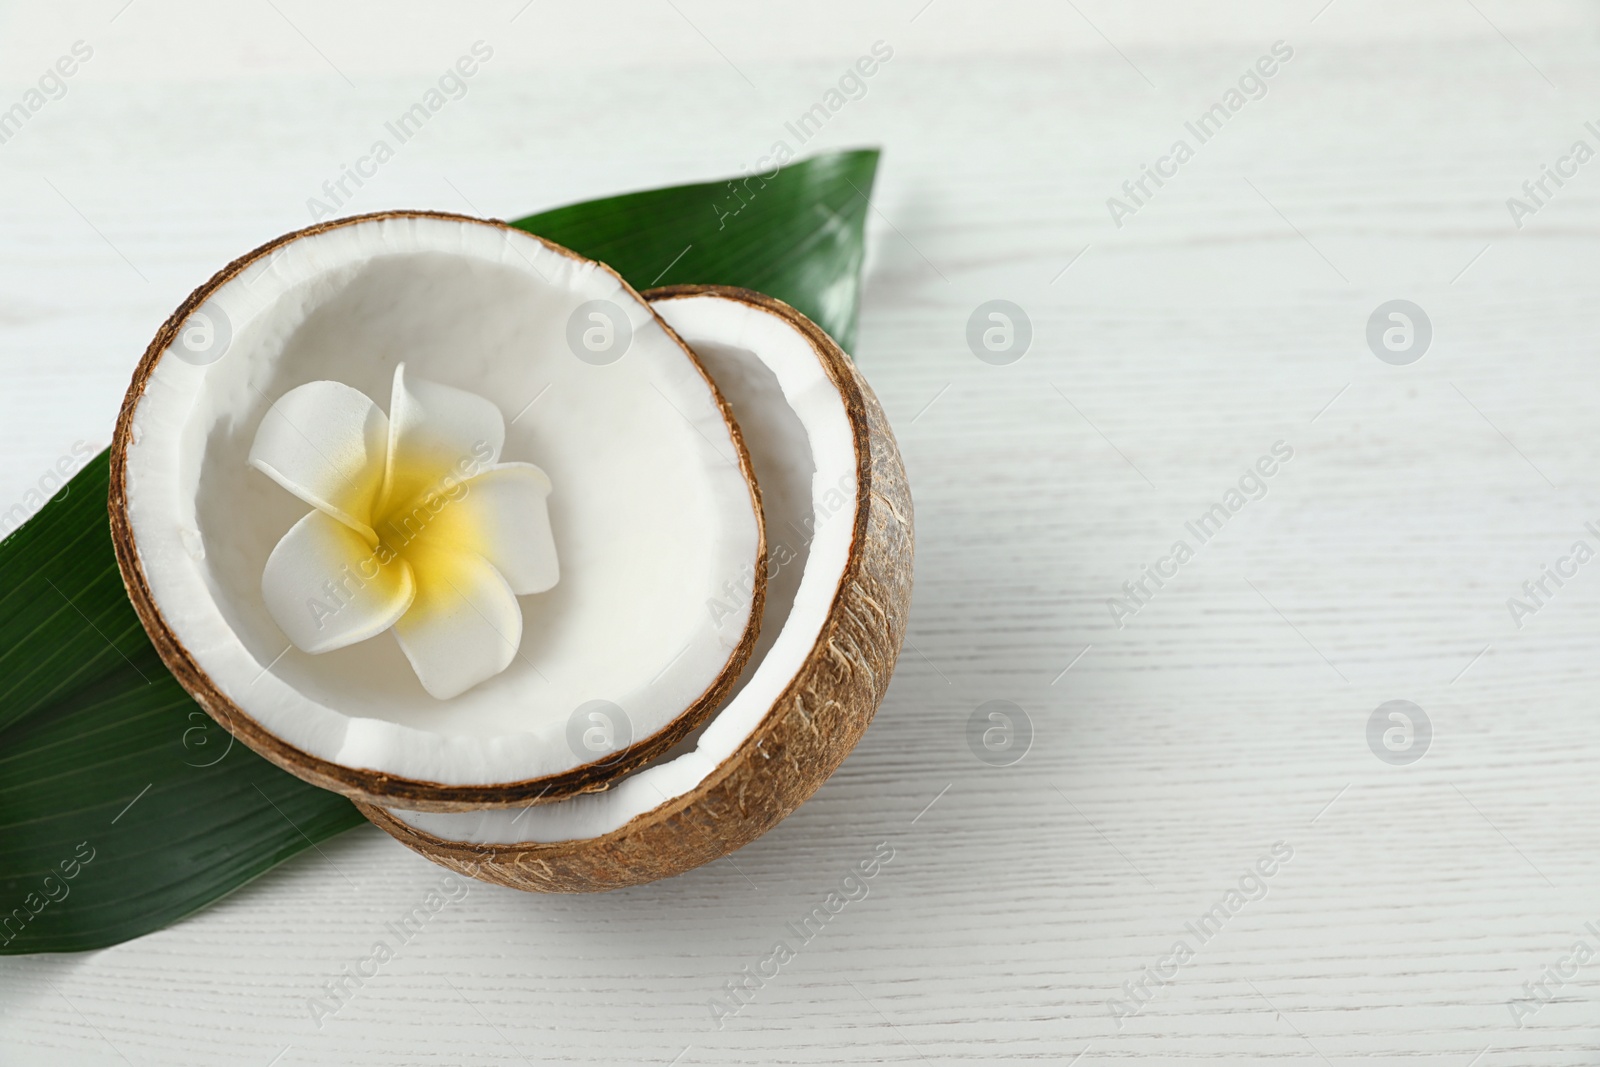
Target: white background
column 1230, row 713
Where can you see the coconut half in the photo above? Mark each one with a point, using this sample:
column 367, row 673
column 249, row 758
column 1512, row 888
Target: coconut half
column 839, row 526
column 560, row 379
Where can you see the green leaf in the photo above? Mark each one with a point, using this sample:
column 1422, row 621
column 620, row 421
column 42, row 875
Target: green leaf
column 123, row 807
column 796, row 235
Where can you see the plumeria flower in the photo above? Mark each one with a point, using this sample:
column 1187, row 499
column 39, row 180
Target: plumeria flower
column 417, row 526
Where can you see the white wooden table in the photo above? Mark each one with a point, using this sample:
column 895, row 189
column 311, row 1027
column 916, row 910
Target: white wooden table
column 1229, row 713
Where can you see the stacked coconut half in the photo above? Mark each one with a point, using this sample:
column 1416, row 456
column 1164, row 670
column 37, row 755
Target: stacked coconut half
column 568, row 588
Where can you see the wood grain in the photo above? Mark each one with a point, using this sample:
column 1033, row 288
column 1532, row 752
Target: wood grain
column 1230, row 713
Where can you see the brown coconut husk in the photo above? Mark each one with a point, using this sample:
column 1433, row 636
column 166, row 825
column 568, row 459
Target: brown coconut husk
column 374, row 787
column 808, row 731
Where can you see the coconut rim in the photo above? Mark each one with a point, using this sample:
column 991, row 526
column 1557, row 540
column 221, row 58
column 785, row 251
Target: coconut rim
column 837, row 365
column 380, row 786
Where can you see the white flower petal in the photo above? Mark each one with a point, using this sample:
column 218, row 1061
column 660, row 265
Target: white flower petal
column 326, row 589
column 325, row 442
column 502, row 515
column 438, row 435
column 465, row 624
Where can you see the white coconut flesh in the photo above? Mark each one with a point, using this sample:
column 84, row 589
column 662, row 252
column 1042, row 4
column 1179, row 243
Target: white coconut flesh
column 650, row 514
column 801, row 445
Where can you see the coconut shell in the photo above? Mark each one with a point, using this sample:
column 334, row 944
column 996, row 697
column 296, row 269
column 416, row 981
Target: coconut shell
column 375, row 787
column 806, row 733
